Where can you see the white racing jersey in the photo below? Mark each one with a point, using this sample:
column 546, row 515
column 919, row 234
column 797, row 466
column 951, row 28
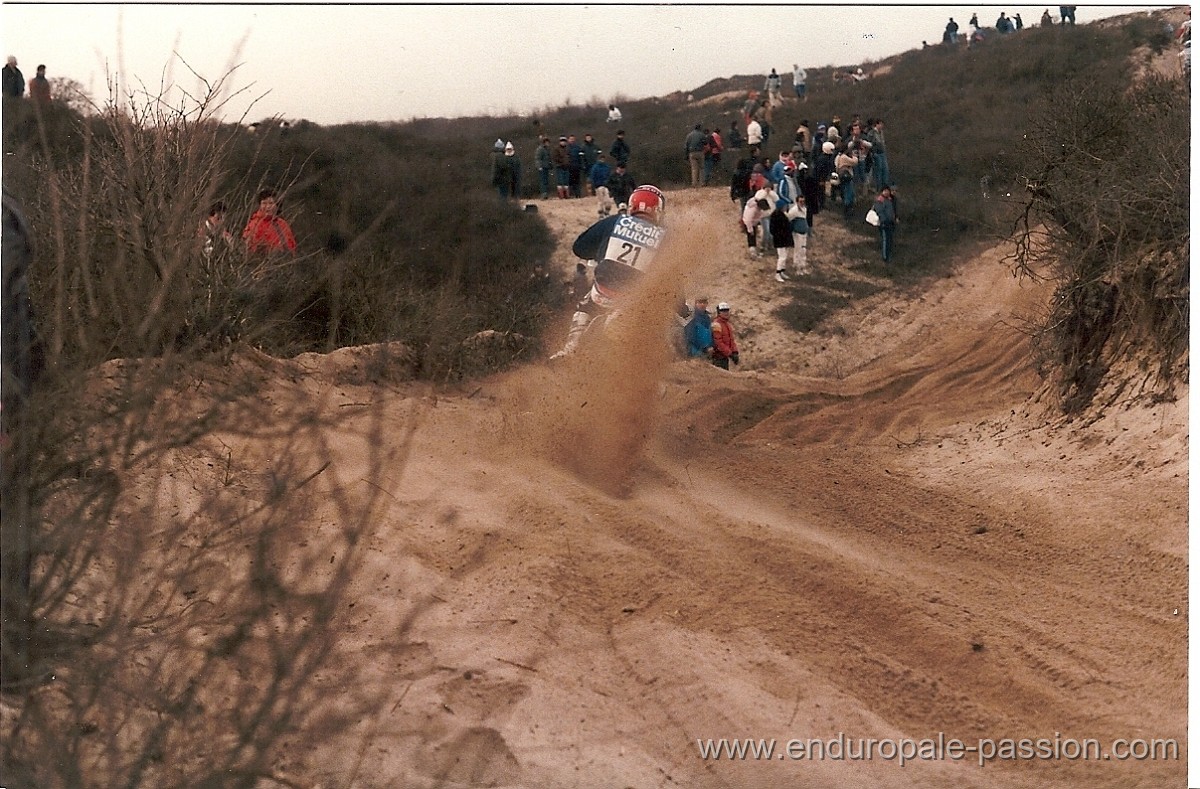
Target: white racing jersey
column 633, row 242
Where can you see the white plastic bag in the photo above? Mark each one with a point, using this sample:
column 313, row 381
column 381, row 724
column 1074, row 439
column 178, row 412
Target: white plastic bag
column 872, row 218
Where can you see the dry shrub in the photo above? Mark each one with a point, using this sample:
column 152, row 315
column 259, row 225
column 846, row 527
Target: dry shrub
column 1106, row 217
column 165, row 624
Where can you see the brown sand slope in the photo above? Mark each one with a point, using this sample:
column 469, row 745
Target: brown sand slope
column 582, row 569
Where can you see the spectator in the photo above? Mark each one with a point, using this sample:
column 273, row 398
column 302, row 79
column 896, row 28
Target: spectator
column 575, row 166
column 512, row 173
column 614, row 114
column 814, row 195
column 880, row 174
column 773, row 86
column 734, row 139
column 499, row 170
column 215, row 238
column 39, row 88
column 1067, row 12
column 805, row 140
column 621, row 185
column 750, row 108
column 799, row 82
column 753, row 213
column 598, row 177
column 754, row 133
column 725, row 347
column 620, row 149
column 775, row 174
column 975, row 22
column 763, row 115
column 885, row 209
column 1003, row 24
column 1018, row 23
column 739, row 185
column 758, row 173
column 693, row 152
column 712, row 153
column 823, row 166
column 267, row 232
column 591, row 152
column 544, row 165
column 697, row 332
column 562, row 168
column 1047, row 20
column 844, row 165
column 781, row 236
column 951, row 35
column 14, row 80
column 800, row 228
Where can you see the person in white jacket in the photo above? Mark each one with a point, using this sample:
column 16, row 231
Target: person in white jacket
column 758, row 207
column 753, row 133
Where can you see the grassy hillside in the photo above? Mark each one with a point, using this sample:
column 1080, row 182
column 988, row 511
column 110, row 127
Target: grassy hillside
column 955, row 120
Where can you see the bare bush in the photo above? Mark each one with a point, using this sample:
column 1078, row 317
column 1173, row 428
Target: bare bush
column 1106, row 217
column 164, row 622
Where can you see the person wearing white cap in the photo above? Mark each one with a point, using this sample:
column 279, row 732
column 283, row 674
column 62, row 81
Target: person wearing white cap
column 725, row 347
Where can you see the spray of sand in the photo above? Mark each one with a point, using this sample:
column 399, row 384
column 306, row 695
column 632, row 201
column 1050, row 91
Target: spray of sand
column 593, row 412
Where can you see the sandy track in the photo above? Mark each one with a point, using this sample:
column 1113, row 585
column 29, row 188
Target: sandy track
column 581, row 570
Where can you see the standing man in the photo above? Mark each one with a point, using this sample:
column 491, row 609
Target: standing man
column 542, row 158
column 591, row 152
column 712, row 154
column 773, row 85
column 500, row 170
column 754, row 133
column 697, row 332
column 562, row 168
column 39, row 88
column 725, row 347
column 574, row 166
column 879, row 162
column 885, row 209
column 799, row 80
column 750, row 107
column 14, row 80
column 693, row 152
column 951, row 35
column 621, row 185
column 734, row 138
column 620, row 149
column 512, row 186
column 598, row 177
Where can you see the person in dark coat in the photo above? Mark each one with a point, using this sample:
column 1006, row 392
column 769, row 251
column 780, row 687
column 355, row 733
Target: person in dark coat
column 620, row 149
column 14, row 80
column 621, row 185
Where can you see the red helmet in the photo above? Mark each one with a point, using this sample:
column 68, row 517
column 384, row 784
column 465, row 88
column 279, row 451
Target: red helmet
column 648, row 201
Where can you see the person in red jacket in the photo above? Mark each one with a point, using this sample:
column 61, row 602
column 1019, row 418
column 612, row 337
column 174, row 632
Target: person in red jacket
column 725, row 346
column 267, row 231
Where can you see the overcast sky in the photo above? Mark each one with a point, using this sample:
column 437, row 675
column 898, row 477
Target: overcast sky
column 373, row 62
